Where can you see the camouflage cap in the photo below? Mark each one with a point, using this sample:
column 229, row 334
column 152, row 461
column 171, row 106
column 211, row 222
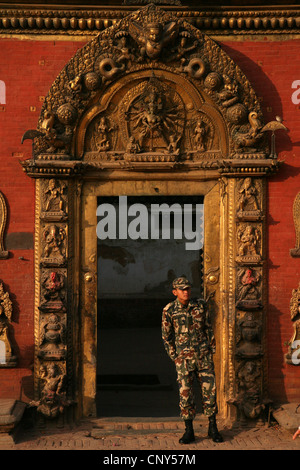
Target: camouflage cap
column 181, row 283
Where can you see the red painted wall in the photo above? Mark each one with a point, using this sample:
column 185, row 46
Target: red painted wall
column 28, row 68
column 272, row 67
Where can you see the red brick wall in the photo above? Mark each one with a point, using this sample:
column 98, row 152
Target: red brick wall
column 28, row 69
column 272, row 67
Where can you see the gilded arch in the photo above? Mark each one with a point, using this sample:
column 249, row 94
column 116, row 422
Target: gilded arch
column 151, row 99
column 151, row 42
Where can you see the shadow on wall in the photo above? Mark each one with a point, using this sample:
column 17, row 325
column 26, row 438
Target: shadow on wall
column 276, row 364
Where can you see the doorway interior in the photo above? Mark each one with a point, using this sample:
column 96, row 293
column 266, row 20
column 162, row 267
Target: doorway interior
column 135, row 377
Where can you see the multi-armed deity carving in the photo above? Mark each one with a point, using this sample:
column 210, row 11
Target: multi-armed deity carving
column 53, row 385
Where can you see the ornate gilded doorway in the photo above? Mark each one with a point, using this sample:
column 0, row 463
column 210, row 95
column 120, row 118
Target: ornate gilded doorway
column 151, row 106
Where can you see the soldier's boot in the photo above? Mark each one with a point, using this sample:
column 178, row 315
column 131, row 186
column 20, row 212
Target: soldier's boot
column 213, row 432
column 188, row 436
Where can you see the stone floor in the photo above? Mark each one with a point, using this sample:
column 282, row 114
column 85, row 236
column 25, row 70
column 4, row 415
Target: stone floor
column 136, row 434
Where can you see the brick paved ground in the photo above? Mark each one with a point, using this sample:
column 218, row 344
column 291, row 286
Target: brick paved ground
column 149, row 435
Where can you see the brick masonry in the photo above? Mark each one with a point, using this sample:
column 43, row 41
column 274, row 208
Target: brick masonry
column 29, row 67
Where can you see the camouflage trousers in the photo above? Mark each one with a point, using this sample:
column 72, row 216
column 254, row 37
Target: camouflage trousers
column 204, row 373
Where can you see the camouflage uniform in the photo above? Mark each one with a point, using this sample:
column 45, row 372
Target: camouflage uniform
column 189, row 341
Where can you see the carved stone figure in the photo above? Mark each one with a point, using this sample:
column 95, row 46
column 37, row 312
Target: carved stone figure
column 53, row 394
column 7, row 357
column 249, row 401
column 200, row 133
column 248, row 200
column 53, row 284
column 58, row 137
column 123, row 49
column 248, row 294
column 187, row 44
column 153, row 117
column 52, row 338
column 248, row 243
column 102, row 142
column 54, row 206
column 75, row 85
column 132, row 146
column 153, row 38
column 248, row 137
column 248, row 337
column 173, row 144
column 54, row 248
column 293, row 355
column 229, row 94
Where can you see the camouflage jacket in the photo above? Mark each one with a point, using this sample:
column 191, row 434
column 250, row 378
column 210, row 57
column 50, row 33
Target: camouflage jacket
column 186, row 330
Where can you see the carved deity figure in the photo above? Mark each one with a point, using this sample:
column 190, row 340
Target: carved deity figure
column 182, row 49
column 153, row 117
column 153, row 38
column 173, row 144
column 132, row 146
column 248, row 238
column 75, row 85
column 53, row 396
column 102, row 141
column 248, row 198
column 52, row 338
column 248, row 293
column 248, row 337
column 249, row 401
column 229, row 93
column 124, row 50
column 54, row 237
column 53, row 284
column 54, row 196
column 57, row 137
column 200, row 133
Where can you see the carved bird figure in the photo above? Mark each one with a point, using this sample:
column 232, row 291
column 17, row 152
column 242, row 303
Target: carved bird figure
column 274, row 125
column 31, row 134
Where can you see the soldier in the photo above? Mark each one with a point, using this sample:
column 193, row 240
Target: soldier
column 189, row 341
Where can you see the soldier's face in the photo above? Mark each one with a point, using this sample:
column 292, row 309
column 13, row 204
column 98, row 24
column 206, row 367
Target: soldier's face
column 183, row 295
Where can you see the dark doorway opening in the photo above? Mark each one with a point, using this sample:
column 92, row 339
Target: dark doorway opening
column 135, row 377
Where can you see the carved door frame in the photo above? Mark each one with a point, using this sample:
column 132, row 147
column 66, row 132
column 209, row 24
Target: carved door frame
column 229, row 168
